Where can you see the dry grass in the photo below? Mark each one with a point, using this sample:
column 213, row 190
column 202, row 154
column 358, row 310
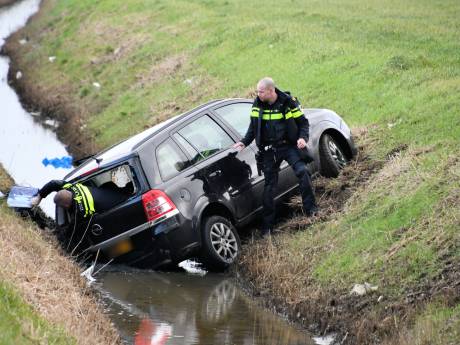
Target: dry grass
column 49, row 281
column 162, row 70
column 5, row 181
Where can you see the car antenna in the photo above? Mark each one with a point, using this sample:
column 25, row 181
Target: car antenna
column 81, row 160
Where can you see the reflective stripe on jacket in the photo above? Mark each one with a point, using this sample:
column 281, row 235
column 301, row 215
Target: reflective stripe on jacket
column 83, row 198
column 281, row 121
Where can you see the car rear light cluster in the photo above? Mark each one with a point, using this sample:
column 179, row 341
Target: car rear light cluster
column 156, row 204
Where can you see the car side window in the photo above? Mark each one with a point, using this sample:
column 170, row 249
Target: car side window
column 202, row 138
column 171, row 160
column 237, row 115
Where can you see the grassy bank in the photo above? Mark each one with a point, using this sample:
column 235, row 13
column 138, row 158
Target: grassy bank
column 43, row 299
column 390, row 68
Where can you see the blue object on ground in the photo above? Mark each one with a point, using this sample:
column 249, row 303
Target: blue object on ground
column 64, row 162
column 21, row 197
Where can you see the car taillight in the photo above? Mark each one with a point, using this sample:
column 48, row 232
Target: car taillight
column 156, row 203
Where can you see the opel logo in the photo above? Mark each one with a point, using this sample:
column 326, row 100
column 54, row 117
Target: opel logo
column 96, row 229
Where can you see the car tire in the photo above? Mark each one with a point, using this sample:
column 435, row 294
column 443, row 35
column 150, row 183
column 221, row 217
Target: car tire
column 331, row 155
column 221, row 244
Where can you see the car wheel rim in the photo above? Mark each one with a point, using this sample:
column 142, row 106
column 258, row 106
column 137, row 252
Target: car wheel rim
column 224, row 242
column 337, row 154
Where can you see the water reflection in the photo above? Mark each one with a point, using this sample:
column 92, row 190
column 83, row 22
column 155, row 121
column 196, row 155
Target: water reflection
column 180, row 308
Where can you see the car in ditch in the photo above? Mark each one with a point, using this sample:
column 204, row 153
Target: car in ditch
column 187, row 190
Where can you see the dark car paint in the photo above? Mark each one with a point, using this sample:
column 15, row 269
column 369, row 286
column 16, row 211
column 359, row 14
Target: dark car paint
column 209, row 183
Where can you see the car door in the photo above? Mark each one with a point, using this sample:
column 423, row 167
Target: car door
column 224, row 172
column 125, row 214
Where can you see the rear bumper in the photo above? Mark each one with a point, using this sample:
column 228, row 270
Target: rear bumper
column 158, row 226
column 152, row 244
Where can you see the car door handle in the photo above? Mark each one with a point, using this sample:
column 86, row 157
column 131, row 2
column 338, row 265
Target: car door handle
column 215, row 173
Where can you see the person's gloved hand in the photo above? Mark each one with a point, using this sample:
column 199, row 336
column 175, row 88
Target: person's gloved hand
column 36, row 200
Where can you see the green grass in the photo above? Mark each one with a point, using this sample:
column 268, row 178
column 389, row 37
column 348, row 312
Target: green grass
column 437, row 325
column 392, row 67
column 19, row 324
column 385, row 62
column 389, row 236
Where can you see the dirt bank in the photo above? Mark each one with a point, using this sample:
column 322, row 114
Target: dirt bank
column 6, row 2
column 47, row 279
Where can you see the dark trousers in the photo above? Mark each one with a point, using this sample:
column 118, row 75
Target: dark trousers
column 272, row 160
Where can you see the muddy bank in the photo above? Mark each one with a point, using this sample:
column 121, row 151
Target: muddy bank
column 47, row 279
column 7, row 2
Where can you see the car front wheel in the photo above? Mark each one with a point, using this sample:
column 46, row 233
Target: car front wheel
column 332, row 157
column 221, row 243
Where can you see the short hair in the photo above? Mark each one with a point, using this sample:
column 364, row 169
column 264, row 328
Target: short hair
column 267, row 83
column 63, row 198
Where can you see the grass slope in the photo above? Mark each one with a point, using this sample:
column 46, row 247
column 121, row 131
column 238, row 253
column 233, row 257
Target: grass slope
column 389, row 67
column 19, row 324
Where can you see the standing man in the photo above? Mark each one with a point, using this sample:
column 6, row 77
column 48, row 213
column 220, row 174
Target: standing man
column 280, row 130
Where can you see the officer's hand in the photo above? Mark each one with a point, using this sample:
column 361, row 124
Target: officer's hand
column 301, row 143
column 36, row 200
column 239, row 146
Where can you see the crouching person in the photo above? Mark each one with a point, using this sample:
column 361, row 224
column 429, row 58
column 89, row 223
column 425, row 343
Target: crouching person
column 81, row 202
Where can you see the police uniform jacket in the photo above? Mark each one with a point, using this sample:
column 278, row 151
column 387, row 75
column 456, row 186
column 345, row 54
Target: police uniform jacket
column 87, row 200
column 277, row 123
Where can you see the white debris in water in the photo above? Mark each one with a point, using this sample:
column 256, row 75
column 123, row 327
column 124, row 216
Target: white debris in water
column 18, row 75
column 51, row 123
column 362, row 289
column 327, row 340
column 192, row 267
column 52, row 58
column 97, row 85
column 23, row 41
column 35, row 113
column 88, row 274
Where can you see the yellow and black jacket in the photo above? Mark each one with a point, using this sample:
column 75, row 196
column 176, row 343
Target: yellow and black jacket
column 273, row 124
column 82, row 196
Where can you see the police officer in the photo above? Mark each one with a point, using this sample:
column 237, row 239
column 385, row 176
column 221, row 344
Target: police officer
column 85, row 201
column 280, row 130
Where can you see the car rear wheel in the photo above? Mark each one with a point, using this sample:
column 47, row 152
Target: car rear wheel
column 332, row 156
column 221, row 243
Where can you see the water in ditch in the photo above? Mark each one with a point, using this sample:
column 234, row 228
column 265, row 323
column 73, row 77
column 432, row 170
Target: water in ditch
column 184, row 308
